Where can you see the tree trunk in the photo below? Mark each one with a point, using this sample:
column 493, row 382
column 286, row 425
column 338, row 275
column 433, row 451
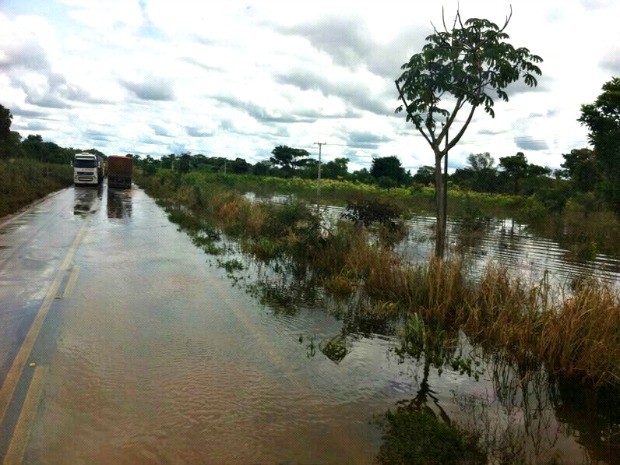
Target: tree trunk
column 440, row 207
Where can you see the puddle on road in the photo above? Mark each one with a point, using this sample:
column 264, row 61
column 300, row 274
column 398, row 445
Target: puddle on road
column 119, row 203
column 86, row 199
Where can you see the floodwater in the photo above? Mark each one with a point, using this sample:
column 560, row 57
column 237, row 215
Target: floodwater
column 156, row 353
column 503, row 241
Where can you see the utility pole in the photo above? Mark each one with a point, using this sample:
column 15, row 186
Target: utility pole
column 445, row 196
column 318, row 179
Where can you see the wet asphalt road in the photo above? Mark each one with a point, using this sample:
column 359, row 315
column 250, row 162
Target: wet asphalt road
column 119, row 343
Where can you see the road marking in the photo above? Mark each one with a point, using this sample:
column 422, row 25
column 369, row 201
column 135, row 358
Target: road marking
column 10, row 382
column 21, row 434
column 71, row 281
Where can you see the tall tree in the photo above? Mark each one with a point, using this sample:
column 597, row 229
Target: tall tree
column 515, row 167
column 480, row 174
column 336, row 169
column 583, row 169
column 240, row 166
column 184, row 165
column 603, row 120
column 389, row 167
column 288, row 158
column 9, row 140
column 5, row 123
column 459, row 70
column 425, row 175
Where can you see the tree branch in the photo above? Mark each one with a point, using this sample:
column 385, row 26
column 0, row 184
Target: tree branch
column 418, row 127
column 456, row 138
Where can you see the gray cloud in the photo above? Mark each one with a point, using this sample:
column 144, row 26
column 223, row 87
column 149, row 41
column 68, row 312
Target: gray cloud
column 527, row 143
column 355, row 157
column 27, row 113
column 261, row 114
column 47, row 100
column 195, row 62
column 160, row 130
column 361, row 139
column 490, row 132
column 198, row 132
column 351, row 92
column 151, row 88
column 36, row 126
column 28, row 54
column 344, row 39
column 99, row 136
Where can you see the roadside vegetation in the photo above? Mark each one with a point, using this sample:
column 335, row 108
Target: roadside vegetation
column 23, row 181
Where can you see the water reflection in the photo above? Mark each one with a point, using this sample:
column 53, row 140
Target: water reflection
column 119, row 204
column 86, row 199
column 517, row 413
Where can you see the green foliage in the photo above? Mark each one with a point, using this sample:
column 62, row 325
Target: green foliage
column 480, row 174
column 603, row 121
column 425, row 175
column 184, row 164
column 414, row 435
column 5, row 123
column 515, row 168
column 471, row 62
column 389, row 168
column 583, row 169
column 288, row 159
column 24, row 180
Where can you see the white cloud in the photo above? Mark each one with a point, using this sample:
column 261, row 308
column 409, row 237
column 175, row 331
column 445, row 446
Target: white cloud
column 236, row 79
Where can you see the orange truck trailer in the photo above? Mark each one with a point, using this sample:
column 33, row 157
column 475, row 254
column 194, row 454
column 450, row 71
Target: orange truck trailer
column 120, row 169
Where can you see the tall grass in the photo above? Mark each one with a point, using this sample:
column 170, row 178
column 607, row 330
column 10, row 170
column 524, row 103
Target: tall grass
column 574, row 334
column 25, row 180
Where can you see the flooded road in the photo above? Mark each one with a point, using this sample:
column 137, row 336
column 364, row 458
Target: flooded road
column 146, row 354
column 121, row 342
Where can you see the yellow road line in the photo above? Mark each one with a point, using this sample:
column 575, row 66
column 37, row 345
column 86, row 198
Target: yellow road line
column 10, row 383
column 21, row 434
column 71, row 281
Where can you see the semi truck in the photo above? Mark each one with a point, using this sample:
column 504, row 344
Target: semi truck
column 120, row 169
column 88, row 169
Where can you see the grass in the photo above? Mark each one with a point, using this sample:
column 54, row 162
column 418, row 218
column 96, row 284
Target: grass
column 23, row 181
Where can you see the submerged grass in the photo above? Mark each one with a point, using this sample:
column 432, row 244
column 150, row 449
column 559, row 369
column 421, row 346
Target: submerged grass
column 574, row 336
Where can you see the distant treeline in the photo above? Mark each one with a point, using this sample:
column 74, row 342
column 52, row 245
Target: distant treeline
column 581, row 179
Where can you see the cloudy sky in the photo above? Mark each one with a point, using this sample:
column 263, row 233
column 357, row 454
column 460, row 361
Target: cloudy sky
column 237, row 78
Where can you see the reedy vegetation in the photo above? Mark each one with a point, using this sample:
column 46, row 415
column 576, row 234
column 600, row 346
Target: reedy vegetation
column 572, row 333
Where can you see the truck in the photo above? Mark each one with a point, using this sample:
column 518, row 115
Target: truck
column 120, row 169
column 88, row 169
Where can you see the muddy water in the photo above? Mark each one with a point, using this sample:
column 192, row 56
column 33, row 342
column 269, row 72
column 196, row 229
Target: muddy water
column 159, row 357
